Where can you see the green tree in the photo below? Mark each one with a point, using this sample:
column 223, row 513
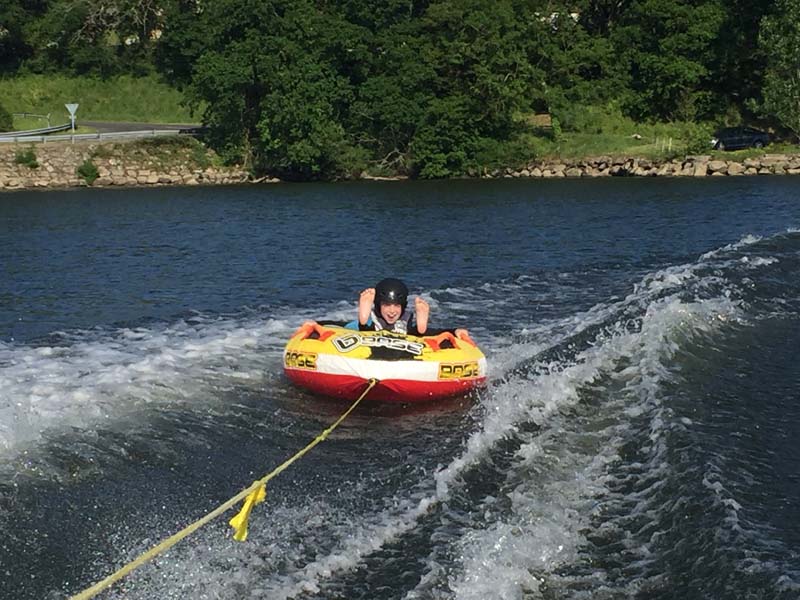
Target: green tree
column 780, row 40
column 6, row 120
column 599, row 17
column 444, row 142
column 15, row 15
column 667, row 48
column 271, row 75
column 378, row 16
column 181, row 42
column 97, row 37
column 307, row 89
column 572, row 65
column 475, row 56
column 392, row 99
column 737, row 68
column 440, row 77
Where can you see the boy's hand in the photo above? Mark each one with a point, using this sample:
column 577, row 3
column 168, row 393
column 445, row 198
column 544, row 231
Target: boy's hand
column 421, row 307
column 422, row 311
column 463, row 334
column 365, row 303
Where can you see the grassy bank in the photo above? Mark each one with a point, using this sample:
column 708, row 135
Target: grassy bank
column 663, row 146
column 144, row 99
column 160, row 153
column 591, row 131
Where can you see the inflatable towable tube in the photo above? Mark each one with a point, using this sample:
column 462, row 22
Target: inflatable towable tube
column 339, row 362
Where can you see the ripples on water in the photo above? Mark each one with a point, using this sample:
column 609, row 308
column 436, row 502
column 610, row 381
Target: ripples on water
column 636, row 438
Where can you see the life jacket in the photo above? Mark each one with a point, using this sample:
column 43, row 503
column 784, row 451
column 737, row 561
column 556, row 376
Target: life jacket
column 400, row 326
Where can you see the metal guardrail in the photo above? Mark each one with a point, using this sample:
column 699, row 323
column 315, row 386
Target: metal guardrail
column 26, row 115
column 94, row 136
column 40, row 131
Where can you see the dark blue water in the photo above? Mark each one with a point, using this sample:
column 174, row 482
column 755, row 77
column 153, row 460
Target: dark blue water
column 637, row 439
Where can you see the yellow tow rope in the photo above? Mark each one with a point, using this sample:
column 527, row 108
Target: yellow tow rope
column 251, row 495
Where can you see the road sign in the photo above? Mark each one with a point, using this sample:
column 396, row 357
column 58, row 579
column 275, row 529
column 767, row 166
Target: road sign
column 72, row 108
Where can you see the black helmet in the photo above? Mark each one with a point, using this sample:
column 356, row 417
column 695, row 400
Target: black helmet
column 390, row 291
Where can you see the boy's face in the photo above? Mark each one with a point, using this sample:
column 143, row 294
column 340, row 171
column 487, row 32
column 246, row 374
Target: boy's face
column 391, row 312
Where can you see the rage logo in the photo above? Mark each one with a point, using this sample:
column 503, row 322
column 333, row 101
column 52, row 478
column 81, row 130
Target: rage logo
column 459, row 370
column 300, row 360
column 352, row 341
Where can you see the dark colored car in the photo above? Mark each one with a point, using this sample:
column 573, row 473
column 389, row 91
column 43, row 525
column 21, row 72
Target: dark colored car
column 735, row 138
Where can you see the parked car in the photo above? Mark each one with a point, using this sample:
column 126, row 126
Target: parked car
column 735, row 138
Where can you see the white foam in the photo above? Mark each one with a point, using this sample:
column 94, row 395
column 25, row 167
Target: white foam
column 271, row 565
column 759, row 261
column 105, row 377
column 747, row 240
column 548, row 517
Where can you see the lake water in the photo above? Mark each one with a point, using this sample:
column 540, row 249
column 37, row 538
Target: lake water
column 638, row 437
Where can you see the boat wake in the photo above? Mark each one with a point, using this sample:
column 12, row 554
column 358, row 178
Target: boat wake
column 580, row 472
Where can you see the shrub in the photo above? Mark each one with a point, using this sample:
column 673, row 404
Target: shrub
column 88, row 171
column 557, row 133
column 516, row 152
column 575, row 118
column 103, row 152
column 27, row 158
column 444, row 142
column 199, row 153
column 698, row 138
column 6, row 120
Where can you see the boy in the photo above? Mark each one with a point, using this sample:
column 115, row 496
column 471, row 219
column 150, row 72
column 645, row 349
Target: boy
column 383, row 308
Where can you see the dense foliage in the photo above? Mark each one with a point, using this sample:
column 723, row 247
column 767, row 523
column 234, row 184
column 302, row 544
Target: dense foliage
column 6, row 121
column 324, row 88
column 780, row 39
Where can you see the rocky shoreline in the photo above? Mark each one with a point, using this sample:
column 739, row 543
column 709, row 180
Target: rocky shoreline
column 57, row 166
column 117, row 164
column 690, row 166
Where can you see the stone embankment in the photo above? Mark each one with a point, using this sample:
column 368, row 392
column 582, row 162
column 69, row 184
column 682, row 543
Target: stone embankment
column 190, row 163
column 690, row 166
column 116, row 165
